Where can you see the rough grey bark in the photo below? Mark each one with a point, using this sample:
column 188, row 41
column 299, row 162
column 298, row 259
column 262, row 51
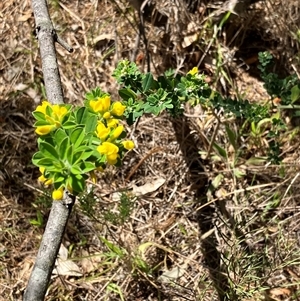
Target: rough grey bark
column 60, row 211
column 46, row 34
column 42, row 270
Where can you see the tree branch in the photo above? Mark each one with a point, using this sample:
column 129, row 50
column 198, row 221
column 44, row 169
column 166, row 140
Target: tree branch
column 47, row 36
column 61, row 210
column 44, row 264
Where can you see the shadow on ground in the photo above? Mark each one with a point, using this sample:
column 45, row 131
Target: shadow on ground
column 205, row 217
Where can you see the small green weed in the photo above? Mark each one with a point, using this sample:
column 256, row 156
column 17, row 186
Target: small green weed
column 125, row 208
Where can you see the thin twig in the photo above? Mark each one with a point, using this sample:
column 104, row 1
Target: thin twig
column 143, row 33
column 152, row 151
column 63, row 43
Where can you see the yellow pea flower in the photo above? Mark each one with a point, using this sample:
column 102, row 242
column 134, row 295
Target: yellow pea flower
column 54, row 119
column 112, row 159
column 101, row 105
column 118, row 109
column 48, row 182
column 45, row 181
column 58, row 194
column 106, row 115
column 42, row 179
column 107, row 148
column 128, row 144
column 59, row 112
column 102, row 131
column 112, row 123
column 44, row 129
column 117, row 132
column 110, row 150
column 42, row 108
column 193, row 71
column 42, row 169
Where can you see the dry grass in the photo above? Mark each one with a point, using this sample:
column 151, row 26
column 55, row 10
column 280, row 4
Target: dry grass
column 236, row 240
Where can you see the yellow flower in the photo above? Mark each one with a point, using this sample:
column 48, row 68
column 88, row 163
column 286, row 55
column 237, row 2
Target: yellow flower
column 44, row 129
column 112, row 123
column 101, row 105
column 112, row 159
column 54, row 118
column 106, row 115
column 58, row 194
column 107, row 148
column 42, row 179
column 128, row 144
column 102, row 131
column 42, row 107
column 59, row 113
column 193, row 71
column 48, row 182
column 118, row 109
column 110, row 150
column 117, row 132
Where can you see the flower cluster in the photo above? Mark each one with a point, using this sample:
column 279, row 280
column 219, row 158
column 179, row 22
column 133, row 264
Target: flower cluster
column 74, row 142
column 53, row 116
column 108, row 128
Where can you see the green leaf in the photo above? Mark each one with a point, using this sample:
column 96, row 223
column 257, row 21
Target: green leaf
column 41, row 122
column 116, row 289
column 113, row 248
column 81, row 115
column 221, row 151
column 157, row 110
column 83, row 153
column 48, row 151
column 257, row 161
column 77, row 182
column 36, row 157
column 295, row 93
column 87, row 166
column 70, row 154
column 231, row 136
column 127, row 93
column 49, row 164
column 85, row 117
column 94, row 94
column 63, row 147
column 239, row 173
column 148, row 82
column 69, row 125
column 77, row 136
column 91, row 124
column 76, row 170
column 58, row 178
column 59, row 136
column 45, row 162
column 38, row 116
column 168, row 105
column 49, row 111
